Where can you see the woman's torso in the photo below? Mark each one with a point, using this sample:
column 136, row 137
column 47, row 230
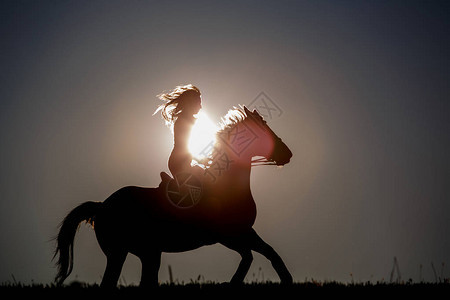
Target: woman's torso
column 180, row 158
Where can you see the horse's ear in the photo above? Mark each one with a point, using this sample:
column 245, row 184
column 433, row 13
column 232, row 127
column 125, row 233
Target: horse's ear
column 246, row 110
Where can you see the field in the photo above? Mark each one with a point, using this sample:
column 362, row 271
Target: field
column 252, row 291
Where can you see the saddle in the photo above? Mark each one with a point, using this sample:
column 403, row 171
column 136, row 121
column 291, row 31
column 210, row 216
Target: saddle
column 184, row 191
column 165, row 177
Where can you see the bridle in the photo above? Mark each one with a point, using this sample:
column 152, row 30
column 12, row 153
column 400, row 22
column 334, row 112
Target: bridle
column 262, row 161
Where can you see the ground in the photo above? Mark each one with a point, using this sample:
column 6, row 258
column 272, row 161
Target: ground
column 224, row 291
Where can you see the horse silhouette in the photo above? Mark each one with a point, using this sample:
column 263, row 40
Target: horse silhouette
column 210, row 204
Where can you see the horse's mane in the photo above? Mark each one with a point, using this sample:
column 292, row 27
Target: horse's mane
column 233, row 117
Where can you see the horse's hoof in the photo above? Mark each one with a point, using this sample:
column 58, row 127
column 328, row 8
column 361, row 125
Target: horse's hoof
column 287, row 281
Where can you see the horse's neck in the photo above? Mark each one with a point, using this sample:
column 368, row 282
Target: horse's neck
column 236, row 179
column 238, row 205
column 230, row 167
column 239, row 173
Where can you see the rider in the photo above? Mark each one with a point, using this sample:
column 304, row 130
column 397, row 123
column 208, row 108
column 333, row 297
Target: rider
column 179, row 110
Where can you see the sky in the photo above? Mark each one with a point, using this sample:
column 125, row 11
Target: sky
column 361, row 94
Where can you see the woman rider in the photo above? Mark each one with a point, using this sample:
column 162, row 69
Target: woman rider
column 179, row 110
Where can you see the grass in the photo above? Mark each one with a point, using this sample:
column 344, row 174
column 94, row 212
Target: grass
column 210, row 289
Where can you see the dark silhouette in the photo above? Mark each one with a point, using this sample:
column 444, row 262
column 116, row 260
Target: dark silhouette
column 149, row 221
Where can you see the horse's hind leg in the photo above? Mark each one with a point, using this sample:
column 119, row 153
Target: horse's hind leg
column 114, row 263
column 151, row 262
column 258, row 245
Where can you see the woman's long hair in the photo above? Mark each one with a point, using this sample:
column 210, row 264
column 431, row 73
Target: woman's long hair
column 176, row 101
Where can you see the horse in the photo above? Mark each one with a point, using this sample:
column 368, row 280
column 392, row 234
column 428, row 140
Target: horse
column 210, row 204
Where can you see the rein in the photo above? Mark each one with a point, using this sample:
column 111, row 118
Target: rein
column 262, row 161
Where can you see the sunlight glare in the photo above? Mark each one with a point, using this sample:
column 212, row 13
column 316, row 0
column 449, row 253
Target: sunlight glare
column 202, row 135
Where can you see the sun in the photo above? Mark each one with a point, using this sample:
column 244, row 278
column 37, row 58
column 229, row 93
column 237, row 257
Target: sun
column 203, row 136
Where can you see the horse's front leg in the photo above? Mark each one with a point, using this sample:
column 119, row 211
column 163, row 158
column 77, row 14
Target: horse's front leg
column 258, row 245
column 240, row 245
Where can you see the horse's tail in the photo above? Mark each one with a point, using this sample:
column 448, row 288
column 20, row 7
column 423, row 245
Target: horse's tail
column 65, row 239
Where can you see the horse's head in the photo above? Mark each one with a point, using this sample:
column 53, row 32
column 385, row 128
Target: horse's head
column 245, row 134
column 267, row 143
